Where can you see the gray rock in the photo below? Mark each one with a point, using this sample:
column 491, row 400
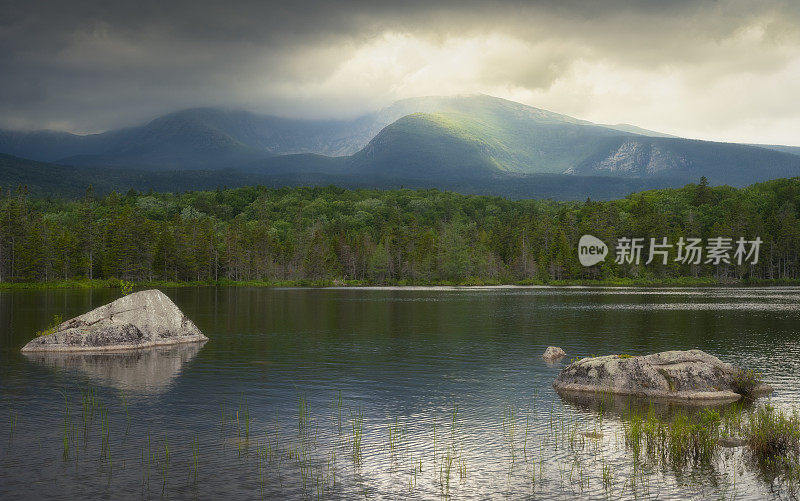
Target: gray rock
column 138, row 320
column 675, row 375
column 553, row 353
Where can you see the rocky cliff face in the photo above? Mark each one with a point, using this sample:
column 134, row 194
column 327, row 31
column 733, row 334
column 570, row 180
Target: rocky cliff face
column 636, row 157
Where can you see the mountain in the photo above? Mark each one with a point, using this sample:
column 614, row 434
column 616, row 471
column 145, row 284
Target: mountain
column 47, row 145
column 215, row 138
column 452, row 145
column 427, row 145
column 471, row 142
column 195, row 138
column 504, row 135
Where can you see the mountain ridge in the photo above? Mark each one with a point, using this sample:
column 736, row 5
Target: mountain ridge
column 437, row 140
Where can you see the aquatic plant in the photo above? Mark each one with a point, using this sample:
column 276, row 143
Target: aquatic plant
column 745, row 382
column 357, row 422
column 773, row 435
column 67, row 421
column 124, row 401
column 105, row 435
column 659, row 444
column 608, row 476
column 677, row 440
column 395, row 435
column 166, row 448
column 246, row 412
column 195, row 444
column 338, row 407
column 303, row 416
column 12, row 423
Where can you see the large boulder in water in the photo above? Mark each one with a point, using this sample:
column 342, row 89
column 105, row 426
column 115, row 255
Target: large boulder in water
column 676, row 375
column 139, row 320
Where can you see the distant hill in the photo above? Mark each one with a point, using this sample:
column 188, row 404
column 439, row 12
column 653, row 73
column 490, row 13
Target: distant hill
column 794, row 150
column 43, row 179
column 195, row 138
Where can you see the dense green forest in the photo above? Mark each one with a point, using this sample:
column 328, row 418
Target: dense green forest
column 373, row 236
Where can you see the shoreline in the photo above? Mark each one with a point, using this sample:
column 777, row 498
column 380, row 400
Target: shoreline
column 324, row 283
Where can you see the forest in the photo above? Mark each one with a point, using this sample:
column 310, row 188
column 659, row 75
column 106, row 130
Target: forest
column 335, row 235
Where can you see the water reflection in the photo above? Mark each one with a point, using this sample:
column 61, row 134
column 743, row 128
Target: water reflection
column 625, row 405
column 145, row 371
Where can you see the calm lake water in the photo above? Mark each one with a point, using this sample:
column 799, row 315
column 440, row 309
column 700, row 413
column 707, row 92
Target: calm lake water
column 374, row 393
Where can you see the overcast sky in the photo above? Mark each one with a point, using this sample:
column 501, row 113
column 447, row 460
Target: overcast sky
column 723, row 70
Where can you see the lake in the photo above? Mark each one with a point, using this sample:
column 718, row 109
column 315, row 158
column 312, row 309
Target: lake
column 378, row 393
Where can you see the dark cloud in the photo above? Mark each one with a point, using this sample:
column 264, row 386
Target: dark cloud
column 90, row 65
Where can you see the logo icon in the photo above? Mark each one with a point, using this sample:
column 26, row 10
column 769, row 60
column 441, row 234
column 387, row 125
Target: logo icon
column 591, row 250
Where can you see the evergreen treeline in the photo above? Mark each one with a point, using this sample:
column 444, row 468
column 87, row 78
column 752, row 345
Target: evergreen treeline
column 375, row 236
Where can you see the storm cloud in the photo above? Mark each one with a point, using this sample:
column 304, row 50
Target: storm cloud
column 727, row 70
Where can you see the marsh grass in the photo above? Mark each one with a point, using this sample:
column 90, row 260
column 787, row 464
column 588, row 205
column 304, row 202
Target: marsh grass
column 337, row 410
column 124, row 401
column 510, row 431
column 12, row 423
column 745, row 382
column 676, row 441
column 773, row 438
column 67, row 422
column 545, row 452
column 195, row 445
column 395, row 436
column 357, row 426
column 243, row 413
column 303, row 417
column 607, row 475
column 105, row 436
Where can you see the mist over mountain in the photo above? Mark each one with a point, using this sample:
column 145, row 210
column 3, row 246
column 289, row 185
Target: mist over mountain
column 473, row 142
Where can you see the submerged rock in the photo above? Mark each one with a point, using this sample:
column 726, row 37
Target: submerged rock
column 679, row 375
column 732, row 442
column 138, row 320
column 553, row 353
